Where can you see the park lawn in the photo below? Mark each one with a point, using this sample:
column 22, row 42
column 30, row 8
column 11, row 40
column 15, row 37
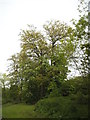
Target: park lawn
column 19, row 111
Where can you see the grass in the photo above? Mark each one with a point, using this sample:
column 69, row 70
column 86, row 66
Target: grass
column 53, row 107
column 19, row 111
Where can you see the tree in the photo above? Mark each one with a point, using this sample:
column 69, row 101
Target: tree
column 42, row 61
column 60, row 37
column 82, row 35
column 4, row 79
column 36, row 49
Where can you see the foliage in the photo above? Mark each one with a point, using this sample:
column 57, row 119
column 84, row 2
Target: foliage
column 42, row 62
column 38, row 73
column 74, row 105
column 61, row 107
column 82, row 34
column 70, row 101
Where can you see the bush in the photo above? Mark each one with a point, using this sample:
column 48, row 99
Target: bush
column 65, row 88
column 55, row 93
column 56, row 107
column 61, row 107
column 81, row 98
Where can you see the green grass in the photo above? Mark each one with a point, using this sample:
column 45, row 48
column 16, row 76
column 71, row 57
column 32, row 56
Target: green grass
column 19, row 111
column 53, row 107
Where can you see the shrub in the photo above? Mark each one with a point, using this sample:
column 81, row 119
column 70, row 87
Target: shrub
column 61, row 107
column 81, row 98
column 56, row 107
column 65, row 89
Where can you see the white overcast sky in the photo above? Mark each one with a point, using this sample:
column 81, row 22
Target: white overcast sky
column 16, row 14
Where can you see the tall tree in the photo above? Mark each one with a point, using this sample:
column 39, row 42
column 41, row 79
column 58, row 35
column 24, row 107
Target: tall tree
column 42, row 60
column 82, row 36
column 61, row 47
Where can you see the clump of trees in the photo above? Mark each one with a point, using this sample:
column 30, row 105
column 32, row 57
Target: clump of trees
column 40, row 69
column 42, row 63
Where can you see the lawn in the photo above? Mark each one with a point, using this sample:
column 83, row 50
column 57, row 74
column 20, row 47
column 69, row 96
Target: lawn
column 19, row 111
column 53, row 107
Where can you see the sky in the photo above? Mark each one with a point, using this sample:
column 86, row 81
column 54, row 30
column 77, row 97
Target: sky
column 16, row 14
